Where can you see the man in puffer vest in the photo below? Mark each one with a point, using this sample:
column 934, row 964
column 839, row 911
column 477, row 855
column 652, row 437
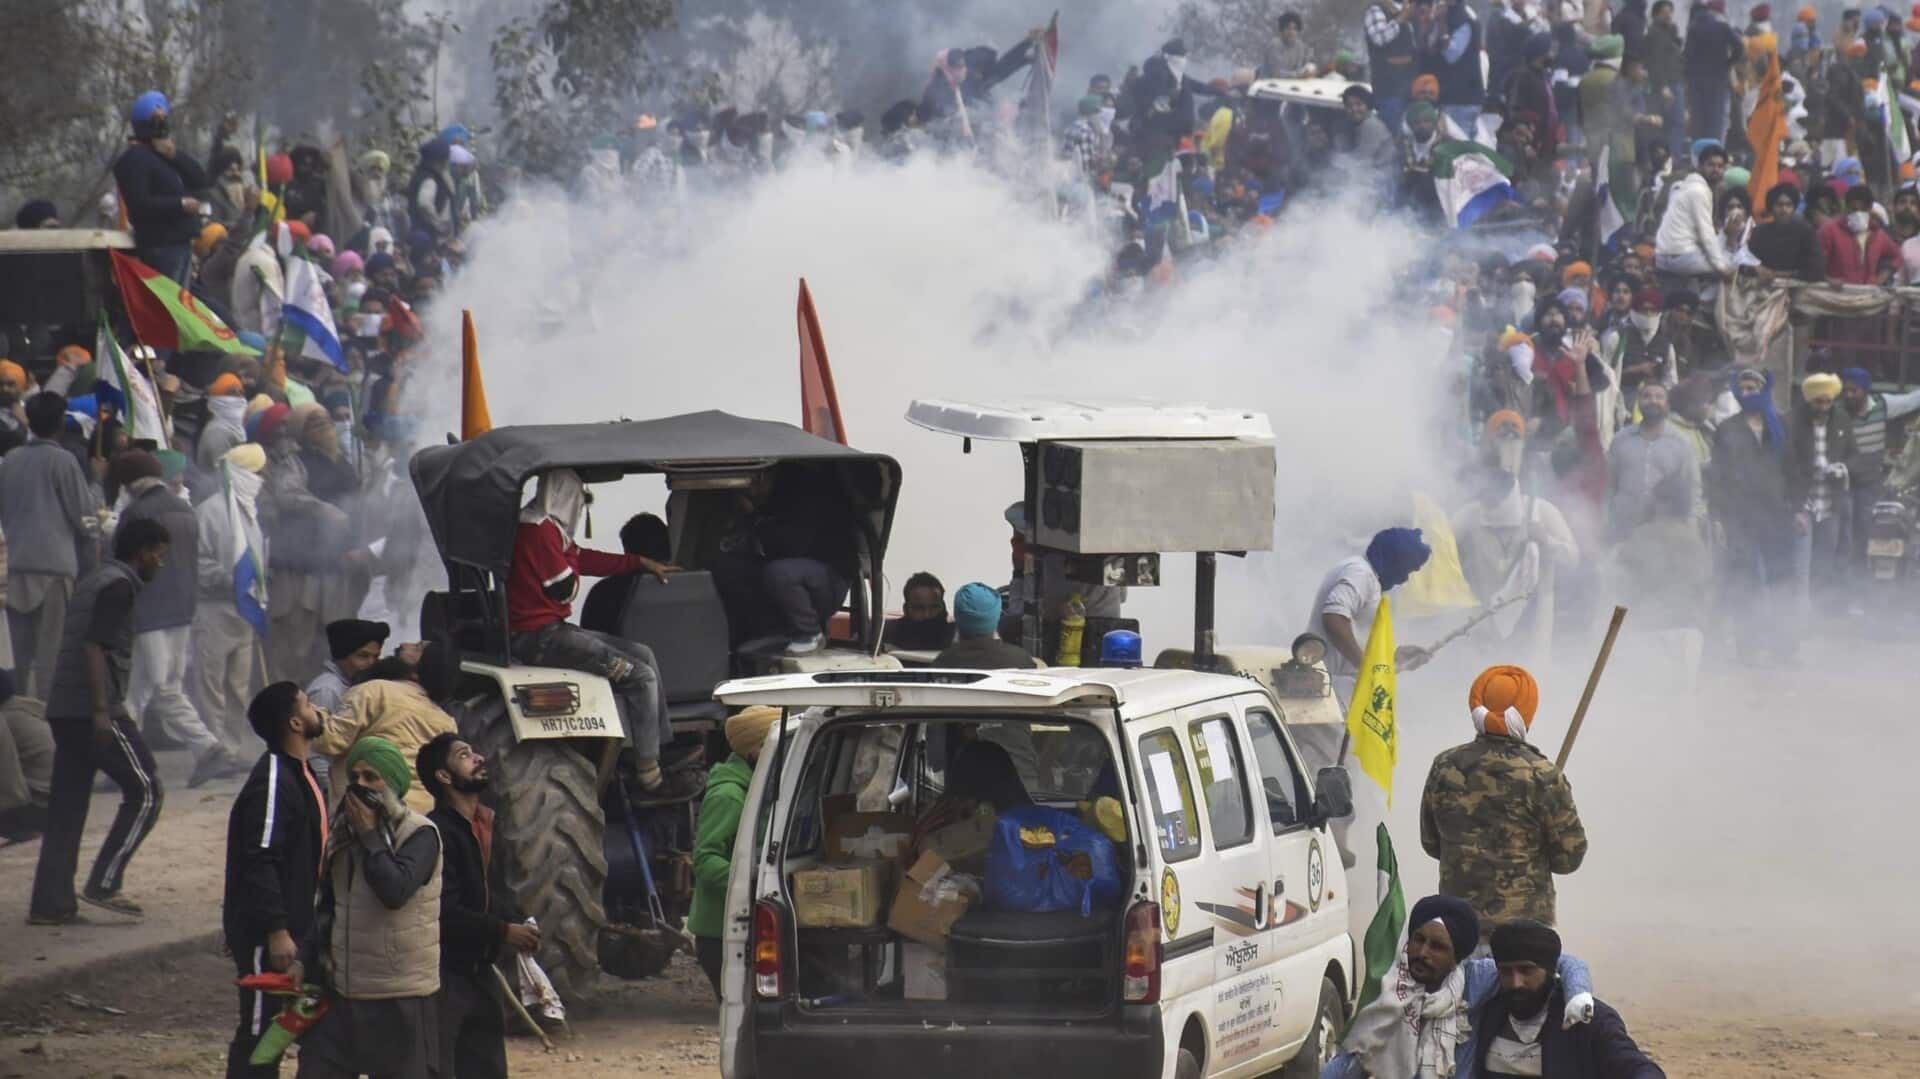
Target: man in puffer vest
column 378, row 929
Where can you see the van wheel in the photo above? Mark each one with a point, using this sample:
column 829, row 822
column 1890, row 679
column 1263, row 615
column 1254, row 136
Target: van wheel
column 1323, row 1041
column 1186, row 1065
column 547, row 840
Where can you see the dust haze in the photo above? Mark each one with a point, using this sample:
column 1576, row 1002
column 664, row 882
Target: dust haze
column 1748, row 840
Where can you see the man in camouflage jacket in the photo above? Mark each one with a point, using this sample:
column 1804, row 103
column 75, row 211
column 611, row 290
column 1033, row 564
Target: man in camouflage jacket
column 1497, row 814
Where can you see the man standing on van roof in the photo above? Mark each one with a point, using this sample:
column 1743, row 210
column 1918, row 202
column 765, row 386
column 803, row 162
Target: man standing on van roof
column 1496, row 813
column 1421, row 1023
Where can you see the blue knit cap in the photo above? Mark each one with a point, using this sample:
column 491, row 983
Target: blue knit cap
column 147, row 104
column 1395, row 554
column 976, row 610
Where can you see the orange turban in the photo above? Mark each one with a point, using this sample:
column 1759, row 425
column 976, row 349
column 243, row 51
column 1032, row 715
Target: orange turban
column 1856, row 49
column 14, row 372
column 1427, row 85
column 227, row 385
column 73, row 356
column 1574, row 270
column 1504, row 698
column 1506, row 420
column 1808, row 15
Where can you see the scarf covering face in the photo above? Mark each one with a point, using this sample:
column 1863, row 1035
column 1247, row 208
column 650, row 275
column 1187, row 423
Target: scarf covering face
column 1760, row 402
column 560, row 496
column 1408, row 1030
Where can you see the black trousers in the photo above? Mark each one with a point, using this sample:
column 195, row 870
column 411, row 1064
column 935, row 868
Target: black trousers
column 472, row 1024
column 257, row 1012
column 77, row 755
column 711, row 953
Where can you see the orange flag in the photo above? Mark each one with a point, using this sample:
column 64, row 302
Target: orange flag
column 819, row 404
column 474, row 420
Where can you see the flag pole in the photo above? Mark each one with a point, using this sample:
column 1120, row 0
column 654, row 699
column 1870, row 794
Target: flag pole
column 1593, row 683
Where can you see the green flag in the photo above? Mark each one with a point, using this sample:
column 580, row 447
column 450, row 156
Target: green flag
column 1387, row 933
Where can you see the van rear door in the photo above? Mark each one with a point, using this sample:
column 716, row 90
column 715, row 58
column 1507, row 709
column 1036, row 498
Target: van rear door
column 749, row 853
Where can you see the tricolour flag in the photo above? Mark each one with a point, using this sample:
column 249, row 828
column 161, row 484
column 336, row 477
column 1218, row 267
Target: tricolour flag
column 475, row 420
column 122, row 384
column 243, row 553
column 165, row 315
column 1370, row 715
column 819, row 403
column 1470, row 179
column 1387, row 933
column 1606, row 196
column 305, row 307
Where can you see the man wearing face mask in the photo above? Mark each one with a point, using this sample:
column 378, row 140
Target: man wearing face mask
column 1858, row 250
column 1513, row 546
column 1747, row 490
column 1642, row 459
column 1638, row 348
column 1080, row 140
column 1523, row 1031
column 156, row 183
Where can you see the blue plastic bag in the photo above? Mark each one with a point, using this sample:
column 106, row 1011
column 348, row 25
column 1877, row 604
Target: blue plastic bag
column 1035, row 880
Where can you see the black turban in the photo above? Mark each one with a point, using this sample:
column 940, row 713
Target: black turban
column 349, row 635
column 1463, row 925
column 1527, row 941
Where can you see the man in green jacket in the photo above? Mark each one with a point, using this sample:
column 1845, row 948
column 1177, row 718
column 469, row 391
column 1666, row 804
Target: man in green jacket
column 713, row 844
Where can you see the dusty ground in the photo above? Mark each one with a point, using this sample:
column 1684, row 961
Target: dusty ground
column 1738, row 928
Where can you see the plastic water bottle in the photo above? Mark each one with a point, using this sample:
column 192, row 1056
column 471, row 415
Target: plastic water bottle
column 1073, row 629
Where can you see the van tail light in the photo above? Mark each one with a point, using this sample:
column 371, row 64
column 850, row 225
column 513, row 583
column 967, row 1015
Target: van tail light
column 1141, row 983
column 768, row 982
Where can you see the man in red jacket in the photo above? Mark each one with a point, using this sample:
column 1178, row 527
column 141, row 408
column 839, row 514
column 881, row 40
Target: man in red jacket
column 541, row 585
column 1857, row 249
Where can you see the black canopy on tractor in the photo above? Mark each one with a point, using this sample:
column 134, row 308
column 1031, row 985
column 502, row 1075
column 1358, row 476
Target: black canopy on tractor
column 472, row 492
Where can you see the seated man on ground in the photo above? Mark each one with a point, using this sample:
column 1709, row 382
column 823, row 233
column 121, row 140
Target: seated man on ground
column 541, row 585
column 1524, row 1032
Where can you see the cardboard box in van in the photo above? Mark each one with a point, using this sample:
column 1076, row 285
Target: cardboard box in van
column 866, row 837
column 964, row 843
column 840, row 896
column 930, row 900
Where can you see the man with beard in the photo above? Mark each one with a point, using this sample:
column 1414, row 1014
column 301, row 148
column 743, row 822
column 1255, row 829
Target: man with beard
column 276, row 834
column 231, row 199
column 1523, row 1030
column 1747, row 491
column 1822, row 460
column 13, row 416
column 473, row 930
column 398, row 702
column 1421, row 1024
column 379, row 935
column 1688, row 241
column 1642, row 459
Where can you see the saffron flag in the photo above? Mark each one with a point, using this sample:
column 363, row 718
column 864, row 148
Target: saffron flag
column 165, row 315
column 1370, row 714
column 1471, row 180
column 475, row 420
column 244, row 552
column 122, row 384
column 305, row 308
column 1440, row 585
column 819, row 404
column 1387, row 933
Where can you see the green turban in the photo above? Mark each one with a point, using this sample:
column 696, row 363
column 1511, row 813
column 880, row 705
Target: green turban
column 1422, row 110
column 1607, row 47
column 386, row 758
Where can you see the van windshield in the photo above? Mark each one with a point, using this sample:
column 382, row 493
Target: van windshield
column 910, row 845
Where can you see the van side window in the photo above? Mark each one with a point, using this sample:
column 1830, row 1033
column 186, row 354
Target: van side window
column 1223, row 779
column 1279, row 778
column 1172, row 795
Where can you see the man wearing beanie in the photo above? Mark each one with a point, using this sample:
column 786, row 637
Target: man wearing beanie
column 354, row 644
column 474, row 927
column 1422, row 1020
column 379, row 955
column 163, row 620
column 1496, row 812
column 276, row 837
column 1523, row 1032
column 720, row 812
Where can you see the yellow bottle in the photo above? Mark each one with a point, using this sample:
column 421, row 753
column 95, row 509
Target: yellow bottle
column 1073, row 628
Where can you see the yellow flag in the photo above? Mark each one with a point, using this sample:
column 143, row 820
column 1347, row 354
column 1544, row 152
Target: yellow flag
column 1370, row 715
column 1440, row 585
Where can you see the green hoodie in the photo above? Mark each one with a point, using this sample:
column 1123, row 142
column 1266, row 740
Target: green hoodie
column 713, row 845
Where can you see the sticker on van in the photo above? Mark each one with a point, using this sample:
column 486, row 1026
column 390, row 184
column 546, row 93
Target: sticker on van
column 1170, row 903
column 1316, row 874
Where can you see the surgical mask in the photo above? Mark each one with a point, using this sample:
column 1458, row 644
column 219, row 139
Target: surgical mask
column 1178, row 66
column 367, row 325
column 1857, row 221
column 1104, row 120
column 1647, row 322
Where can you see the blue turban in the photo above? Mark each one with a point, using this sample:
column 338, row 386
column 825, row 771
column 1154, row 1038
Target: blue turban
column 1858, row 376
column 976, row 610
column 1463, row 925
column 1701, row 146
column 1875, row 17
column 1537, row 46
column 1395, row 554
column 436, row 152
column 1848, row 169
column 144, row 106
column 456, row 134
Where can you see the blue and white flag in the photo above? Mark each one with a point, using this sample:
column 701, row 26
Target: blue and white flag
column 121, row 385
column 245, row 547
column 1471, row 180
column 307, row 309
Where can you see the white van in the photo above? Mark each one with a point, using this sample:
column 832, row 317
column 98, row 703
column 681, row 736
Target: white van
column 1227, row 955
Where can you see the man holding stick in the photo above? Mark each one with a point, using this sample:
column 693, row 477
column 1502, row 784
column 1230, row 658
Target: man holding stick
column 1496, row 813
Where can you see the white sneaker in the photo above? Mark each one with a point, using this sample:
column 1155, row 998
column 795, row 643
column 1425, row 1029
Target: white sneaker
column 806, row 646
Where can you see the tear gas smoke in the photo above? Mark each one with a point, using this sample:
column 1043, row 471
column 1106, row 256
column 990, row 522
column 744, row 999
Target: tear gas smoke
column 1735, row 829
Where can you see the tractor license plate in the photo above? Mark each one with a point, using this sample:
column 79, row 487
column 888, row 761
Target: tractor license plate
column 1886, row 548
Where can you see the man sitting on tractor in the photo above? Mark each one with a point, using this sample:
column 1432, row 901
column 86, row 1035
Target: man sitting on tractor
column 541, row 585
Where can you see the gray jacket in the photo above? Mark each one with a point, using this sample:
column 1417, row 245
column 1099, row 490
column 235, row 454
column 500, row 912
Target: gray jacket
column 46, row 507
column 167, row 600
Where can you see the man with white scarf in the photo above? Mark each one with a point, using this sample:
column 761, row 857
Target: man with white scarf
column 224, row 639
column 1421, row 1019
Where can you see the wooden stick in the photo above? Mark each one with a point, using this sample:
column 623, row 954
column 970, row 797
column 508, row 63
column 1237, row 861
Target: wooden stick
column 1593, row 683
column 513, row 998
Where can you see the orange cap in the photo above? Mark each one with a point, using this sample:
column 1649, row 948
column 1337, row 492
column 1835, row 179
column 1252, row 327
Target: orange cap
column 1500, row 696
